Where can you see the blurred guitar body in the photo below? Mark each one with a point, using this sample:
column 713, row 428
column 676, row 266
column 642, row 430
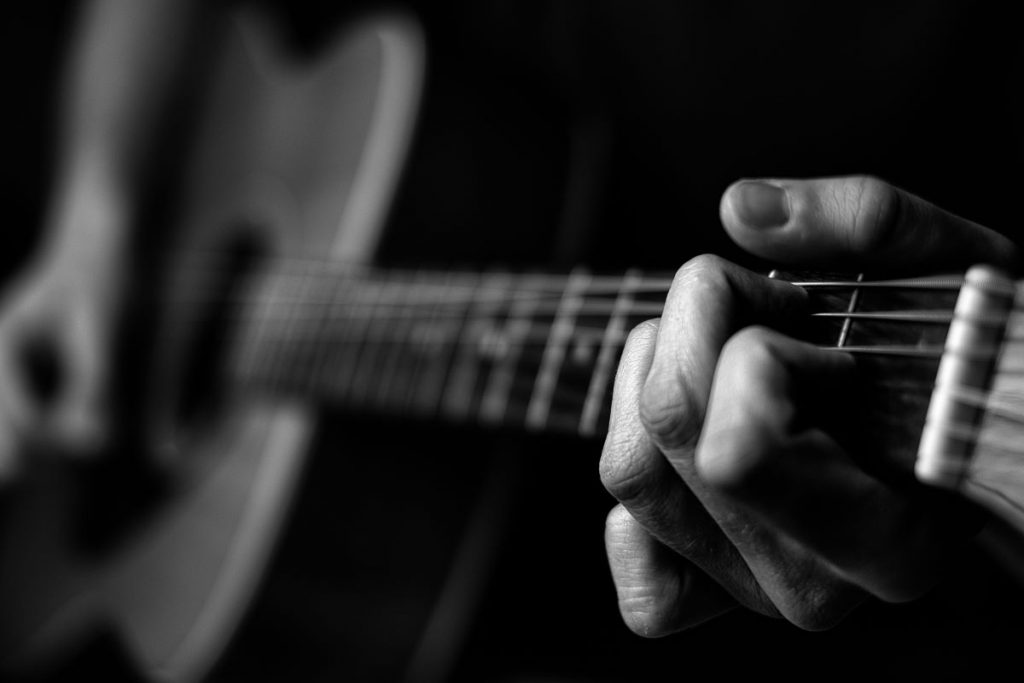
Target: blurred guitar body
column 301, row 159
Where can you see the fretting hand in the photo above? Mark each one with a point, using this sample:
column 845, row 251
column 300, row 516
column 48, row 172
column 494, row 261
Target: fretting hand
column 733, row 488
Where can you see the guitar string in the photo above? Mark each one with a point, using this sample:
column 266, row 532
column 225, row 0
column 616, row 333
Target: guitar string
column 423, row 316
column 932, row 353
column 308, row 269
column 301, row 265
column 419, row 296
column 533, row 360
column 193, row 294
column 539, row 341
column 521, row 287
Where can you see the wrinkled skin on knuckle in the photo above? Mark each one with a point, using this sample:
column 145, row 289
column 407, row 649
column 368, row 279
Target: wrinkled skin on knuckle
column 665, row 412
column 624, row 469
column 666, row 409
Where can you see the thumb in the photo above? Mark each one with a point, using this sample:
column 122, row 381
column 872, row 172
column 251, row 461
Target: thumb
column 857, row 222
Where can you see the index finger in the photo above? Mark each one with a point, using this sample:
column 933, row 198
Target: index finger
column 709, row 300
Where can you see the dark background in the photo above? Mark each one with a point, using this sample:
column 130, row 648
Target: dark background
column 604, row 133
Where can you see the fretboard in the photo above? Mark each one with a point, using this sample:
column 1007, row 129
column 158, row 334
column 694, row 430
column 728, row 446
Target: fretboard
column 535, row 351
column 530, row 351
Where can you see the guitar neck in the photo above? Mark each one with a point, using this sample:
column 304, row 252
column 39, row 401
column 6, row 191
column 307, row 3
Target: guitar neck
column 533, row 351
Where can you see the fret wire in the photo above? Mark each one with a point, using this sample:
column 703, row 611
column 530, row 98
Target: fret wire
column 251, row 361
column 844, row 333
column 401, row 330
column 467, row 359
column 427, row 381
column 435, row 403
column 606, row 357
column 517, row 325
column 317, row 357
column 364, row 359
column 287, row 350
column 539, row 406
column 333, row 358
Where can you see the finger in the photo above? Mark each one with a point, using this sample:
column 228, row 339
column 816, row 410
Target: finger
column 757, row 448
column 636, row 473
column 659, row 592
column 706, row 304
column 709, row 300
column 855, row 222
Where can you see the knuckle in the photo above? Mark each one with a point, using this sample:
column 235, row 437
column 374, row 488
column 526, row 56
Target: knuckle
column 666, row 413
column 752, row 346
column 703, row 275
column 821, row 605
column 635, row 352
column 625, row 467
column 640, row 337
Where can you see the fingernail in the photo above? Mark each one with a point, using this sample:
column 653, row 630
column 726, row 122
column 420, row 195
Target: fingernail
column 760, row 205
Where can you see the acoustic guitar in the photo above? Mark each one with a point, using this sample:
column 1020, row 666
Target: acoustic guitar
column 273, row 306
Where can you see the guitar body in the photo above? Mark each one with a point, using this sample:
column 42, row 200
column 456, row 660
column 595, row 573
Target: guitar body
column 302, row 159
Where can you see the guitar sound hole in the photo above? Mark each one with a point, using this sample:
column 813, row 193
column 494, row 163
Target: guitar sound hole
column 201, row 391
column 118, row 492
column 43, row 371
